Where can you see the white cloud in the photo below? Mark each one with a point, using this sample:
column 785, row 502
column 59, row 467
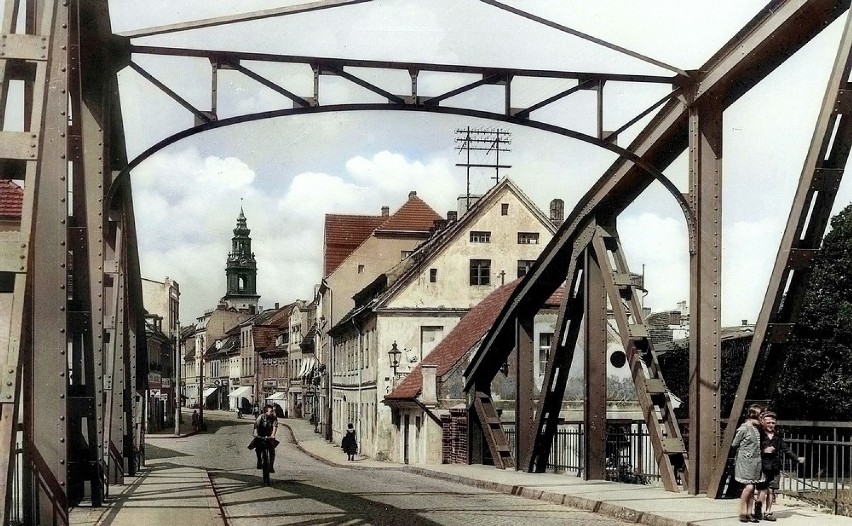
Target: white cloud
column 293, row 170
column 187, row 206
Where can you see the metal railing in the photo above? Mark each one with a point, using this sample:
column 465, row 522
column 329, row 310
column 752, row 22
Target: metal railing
column 824, row 479
column 629, row 453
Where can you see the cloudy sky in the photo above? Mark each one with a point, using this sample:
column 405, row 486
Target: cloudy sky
column 288, row 172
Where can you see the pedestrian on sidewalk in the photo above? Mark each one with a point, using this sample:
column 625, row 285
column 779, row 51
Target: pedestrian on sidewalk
column 747, row 464
column 771, row 448
column 349, row 444
column 196, row 420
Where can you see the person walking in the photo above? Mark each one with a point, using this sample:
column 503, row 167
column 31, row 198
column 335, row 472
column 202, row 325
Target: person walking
column 349, row 444
column 747, row 464
column 771, row 448
column 265, row 428
column 196, row 420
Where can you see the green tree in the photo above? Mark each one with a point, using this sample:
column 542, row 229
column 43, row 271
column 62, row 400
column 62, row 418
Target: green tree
column 816, row 379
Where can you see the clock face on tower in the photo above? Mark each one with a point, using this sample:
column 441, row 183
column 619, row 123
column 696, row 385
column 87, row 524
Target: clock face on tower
column 242, row 261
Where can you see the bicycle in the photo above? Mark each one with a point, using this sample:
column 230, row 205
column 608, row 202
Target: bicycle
column 265, row 446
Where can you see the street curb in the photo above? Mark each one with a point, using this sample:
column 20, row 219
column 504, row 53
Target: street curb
column 222, row 511
column 581, row 503
column 328, row 462
column 160, row 437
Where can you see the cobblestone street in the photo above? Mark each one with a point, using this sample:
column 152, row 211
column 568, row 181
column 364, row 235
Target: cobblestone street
column 307, row 491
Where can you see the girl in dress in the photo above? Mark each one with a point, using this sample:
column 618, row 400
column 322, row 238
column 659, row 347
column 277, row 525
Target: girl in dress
column 747, row 465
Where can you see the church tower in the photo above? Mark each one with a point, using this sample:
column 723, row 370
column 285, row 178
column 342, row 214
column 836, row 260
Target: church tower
column 241, row 270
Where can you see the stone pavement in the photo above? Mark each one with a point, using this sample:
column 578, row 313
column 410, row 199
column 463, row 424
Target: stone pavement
column 628, row 502
column 168, row 494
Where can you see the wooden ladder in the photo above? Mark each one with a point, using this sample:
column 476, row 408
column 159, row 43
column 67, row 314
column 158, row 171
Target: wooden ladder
column 493, row 430
column 654, row 397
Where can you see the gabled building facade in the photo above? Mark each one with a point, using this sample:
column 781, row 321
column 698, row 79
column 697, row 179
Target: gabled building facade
column 301, row 357
column 212, row 326
column 356, row 249
column 257, row 334
column 419, row 301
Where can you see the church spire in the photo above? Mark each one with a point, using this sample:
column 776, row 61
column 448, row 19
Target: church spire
column 241, row 269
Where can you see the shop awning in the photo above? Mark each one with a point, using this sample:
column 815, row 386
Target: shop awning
column 239, row 392
column 307, row 367
column 280, row 395
column 209, row 391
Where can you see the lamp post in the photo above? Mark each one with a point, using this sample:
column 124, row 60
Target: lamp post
column 394, row 354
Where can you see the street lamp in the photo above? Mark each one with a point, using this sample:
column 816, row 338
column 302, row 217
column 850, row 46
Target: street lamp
column 394, row 354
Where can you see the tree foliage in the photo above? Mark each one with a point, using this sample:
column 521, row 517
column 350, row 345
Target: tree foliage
column 816, row 378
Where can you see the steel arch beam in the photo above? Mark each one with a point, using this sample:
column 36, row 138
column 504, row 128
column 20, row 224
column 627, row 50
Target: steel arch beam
column 624, row 153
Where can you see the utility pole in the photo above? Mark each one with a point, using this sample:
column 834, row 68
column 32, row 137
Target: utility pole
column 176, row 388
column 482, row 140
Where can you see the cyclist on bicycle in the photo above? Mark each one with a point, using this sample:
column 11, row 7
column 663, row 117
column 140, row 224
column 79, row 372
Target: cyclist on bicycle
column 265, row 429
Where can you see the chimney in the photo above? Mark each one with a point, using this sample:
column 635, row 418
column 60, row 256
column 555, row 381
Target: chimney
column 452, row 215
column 429, row 390
column 745, row 322
column 465, row 202
column 276, row 306
column 557, row 211
column 412, row 194
column 439, row 224
column 385, row 211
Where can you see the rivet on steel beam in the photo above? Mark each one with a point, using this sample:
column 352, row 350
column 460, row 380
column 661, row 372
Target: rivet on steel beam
column 61, row 418
column 61, row 396
column 61, row 440
column 62, row 331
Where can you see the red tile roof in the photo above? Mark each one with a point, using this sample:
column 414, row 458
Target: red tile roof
column 413, row 216
column 264, row 336
column 465, row 335
column 344, row 233
column 11, row 200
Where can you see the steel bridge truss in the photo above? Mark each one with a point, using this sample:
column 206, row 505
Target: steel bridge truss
column 73, row 356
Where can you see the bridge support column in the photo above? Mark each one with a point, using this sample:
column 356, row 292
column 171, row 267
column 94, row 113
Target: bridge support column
column 705, row 305
column 524, row 389
column 594, row 408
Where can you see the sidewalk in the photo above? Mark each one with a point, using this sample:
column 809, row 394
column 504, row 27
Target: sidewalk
column 159, row 495
column 629, row 502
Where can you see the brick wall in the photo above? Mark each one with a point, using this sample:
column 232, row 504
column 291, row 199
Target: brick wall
column 454, row 437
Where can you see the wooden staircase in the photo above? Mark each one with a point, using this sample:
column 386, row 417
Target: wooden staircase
column 654, row 397
column 493, row 430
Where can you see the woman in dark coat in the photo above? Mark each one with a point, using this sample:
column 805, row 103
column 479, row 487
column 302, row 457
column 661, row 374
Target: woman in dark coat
column 349, row 443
